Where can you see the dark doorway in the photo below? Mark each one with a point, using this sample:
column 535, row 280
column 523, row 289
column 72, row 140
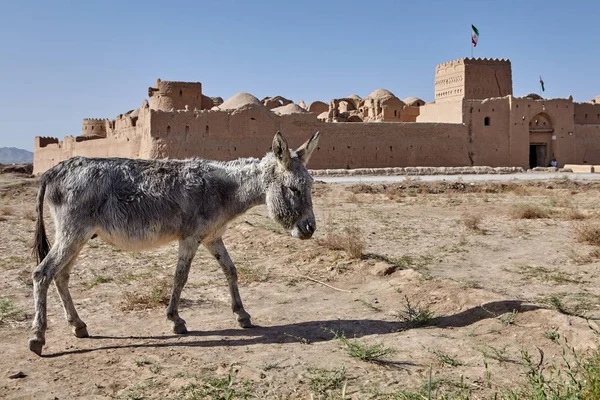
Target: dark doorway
column 537, row 155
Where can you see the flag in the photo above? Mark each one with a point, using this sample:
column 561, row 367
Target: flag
column 474, row 36
column 542, row 83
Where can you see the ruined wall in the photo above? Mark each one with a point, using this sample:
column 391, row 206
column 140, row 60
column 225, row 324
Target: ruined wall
column 410, row 113
column 126, row 140
column 169, row 95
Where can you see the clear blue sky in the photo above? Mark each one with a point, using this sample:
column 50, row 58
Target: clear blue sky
column 62, row 61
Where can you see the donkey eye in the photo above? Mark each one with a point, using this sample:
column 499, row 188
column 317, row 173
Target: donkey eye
column 294, row 190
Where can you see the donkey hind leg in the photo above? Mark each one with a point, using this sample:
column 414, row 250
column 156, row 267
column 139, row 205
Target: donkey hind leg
column 61, row 281
column 59, row 256
column 218, row 250
column 187, row 251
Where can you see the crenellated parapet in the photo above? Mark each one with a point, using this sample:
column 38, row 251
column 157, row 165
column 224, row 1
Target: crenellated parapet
column 172, row 95
column 473, row 78
column 97, row 127
column 43, row 141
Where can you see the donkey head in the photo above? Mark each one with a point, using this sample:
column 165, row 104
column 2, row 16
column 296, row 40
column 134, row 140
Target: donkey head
column 288, row 191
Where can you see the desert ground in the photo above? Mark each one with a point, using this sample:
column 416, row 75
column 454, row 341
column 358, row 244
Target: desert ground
column 410, row 290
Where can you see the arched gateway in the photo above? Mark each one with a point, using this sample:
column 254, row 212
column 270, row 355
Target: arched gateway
column 541, row 148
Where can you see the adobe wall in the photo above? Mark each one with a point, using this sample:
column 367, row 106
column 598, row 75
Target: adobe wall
column 485, row 78
column 50, row 155
column 249, row 133
column 587, row 113
column 491, row 144
column 448, row 112
column 587, row 144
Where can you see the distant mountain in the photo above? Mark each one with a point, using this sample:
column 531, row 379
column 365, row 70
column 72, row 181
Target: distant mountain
column 12, row 155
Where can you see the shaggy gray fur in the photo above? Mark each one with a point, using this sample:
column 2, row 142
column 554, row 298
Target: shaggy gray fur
column 137, row 204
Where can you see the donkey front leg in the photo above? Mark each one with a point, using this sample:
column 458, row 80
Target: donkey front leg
column 218, row 250
column 187, row 251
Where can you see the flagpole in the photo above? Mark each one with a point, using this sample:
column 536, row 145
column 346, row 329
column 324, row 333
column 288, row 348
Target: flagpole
column 471, row 33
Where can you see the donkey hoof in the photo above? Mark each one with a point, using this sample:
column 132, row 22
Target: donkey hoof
column 81, row 332
column 36, row 345
column 180, row 329
column 245, row 322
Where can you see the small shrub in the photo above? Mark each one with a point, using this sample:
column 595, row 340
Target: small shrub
column 472, row 222
column 552, row 335
column 446, row 359
column 158, row 296
column 351, row 241
column 324, row 380
column 529, row 211
column 8, row 311
column 579, row 378
column 588, row 232
column 218, row 388
column 370, row 353
column 414, row 316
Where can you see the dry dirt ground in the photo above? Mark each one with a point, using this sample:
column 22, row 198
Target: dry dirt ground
column 459, row 283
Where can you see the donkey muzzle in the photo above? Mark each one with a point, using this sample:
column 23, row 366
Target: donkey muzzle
column 304, row 230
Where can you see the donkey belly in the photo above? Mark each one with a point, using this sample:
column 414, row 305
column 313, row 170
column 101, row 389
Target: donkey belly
column 146, row 240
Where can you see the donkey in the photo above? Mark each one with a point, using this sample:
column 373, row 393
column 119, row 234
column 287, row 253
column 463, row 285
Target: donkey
column 137, row 204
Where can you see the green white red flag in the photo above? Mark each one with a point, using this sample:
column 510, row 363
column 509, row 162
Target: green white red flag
column 474, row 35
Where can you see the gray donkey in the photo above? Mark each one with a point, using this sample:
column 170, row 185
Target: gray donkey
column 136, row 204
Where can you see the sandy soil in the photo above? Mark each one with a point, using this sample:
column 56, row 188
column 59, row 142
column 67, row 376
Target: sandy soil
column 496, row 285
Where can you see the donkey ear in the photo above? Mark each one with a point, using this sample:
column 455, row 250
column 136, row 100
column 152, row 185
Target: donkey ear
column 281, row 150
column 305, row 151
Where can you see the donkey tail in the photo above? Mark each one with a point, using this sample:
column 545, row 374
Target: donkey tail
column 41, row 245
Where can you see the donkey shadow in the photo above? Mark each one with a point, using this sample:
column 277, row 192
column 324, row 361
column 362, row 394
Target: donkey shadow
column 304, row 332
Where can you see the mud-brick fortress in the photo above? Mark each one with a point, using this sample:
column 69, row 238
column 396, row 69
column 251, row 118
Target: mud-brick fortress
column 474, row 121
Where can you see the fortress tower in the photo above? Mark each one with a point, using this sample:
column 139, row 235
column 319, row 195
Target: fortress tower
column 96, row 127
column 472, row 78
column 168, row 95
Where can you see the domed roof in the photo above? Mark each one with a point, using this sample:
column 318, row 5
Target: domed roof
column 323, row 115
column 412, row 100
column 355, row 97
column 533, row 96
column 289, row 109
column 239, row 100
column 381, row 94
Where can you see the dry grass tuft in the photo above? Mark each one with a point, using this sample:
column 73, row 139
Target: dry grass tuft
column 530, row 211
column 157, row 296
column 575, row 215
column 588, row 232
column 473, row 222
column 351, row 241
column 7, row 210
column 30, row 215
